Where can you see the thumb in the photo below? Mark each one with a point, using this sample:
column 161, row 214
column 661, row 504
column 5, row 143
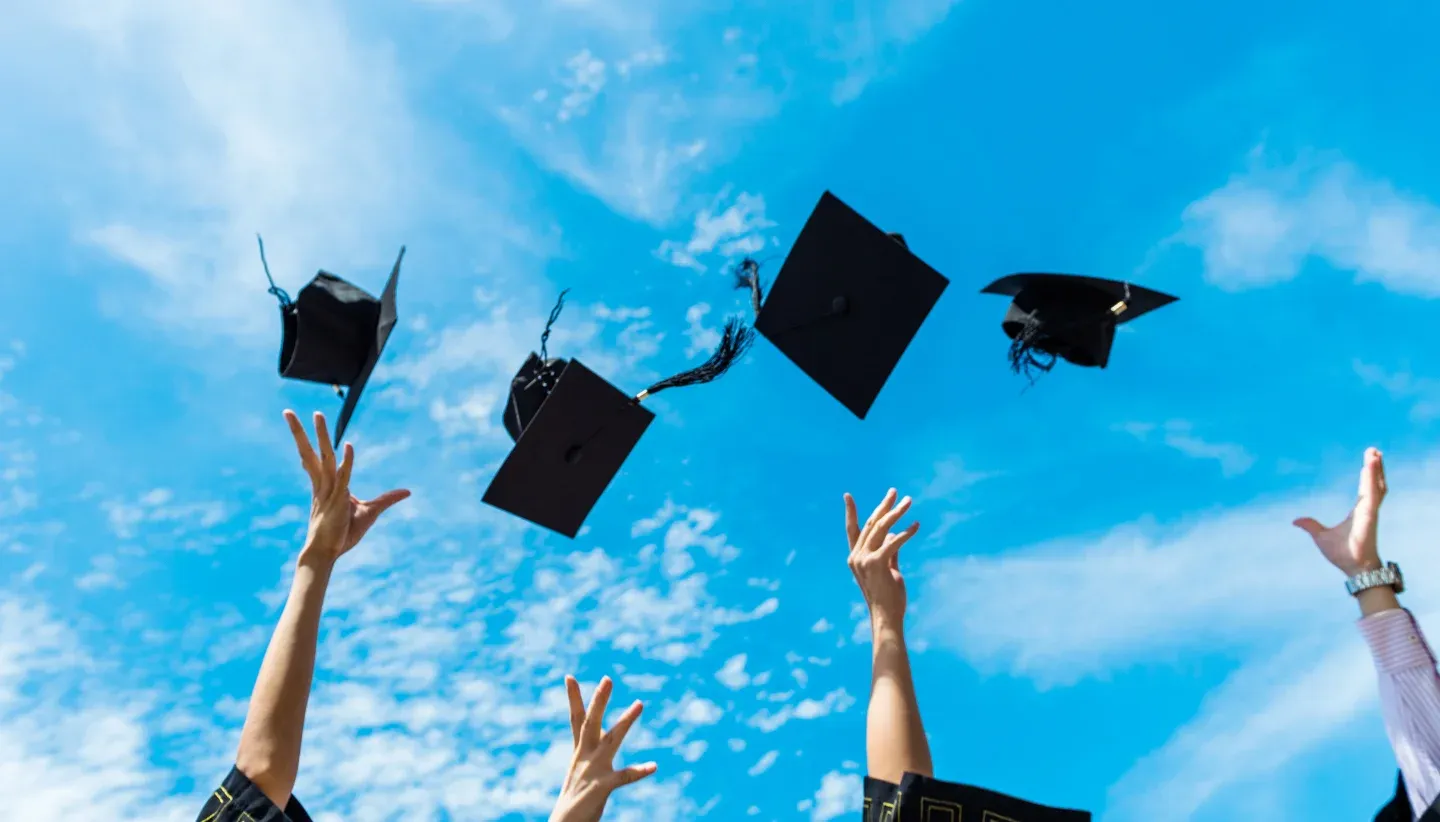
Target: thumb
column 382, row 503
column 1310, row 526
column 632, row 774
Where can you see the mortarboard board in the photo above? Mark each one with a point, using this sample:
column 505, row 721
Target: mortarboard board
column 334, row 333
column 1068, row 316
column 924, row 799
column 846, row 303
column 573, row 430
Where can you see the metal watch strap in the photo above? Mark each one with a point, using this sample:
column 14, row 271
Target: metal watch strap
column 1365, row 580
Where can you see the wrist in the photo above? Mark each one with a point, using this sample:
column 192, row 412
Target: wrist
column 315, row 559
column 885, row 624
column 1373, row 563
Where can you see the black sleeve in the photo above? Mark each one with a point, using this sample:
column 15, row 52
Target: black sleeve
column 925, row 799
column 238, row 800
column 882, row 800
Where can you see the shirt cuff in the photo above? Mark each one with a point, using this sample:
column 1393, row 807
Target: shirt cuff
column 1396, row 642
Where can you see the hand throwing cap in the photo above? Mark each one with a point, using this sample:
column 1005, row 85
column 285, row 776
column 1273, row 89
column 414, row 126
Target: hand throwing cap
column 846, row 303
column 573, row 430
column 334, row 333
column 1068, row 316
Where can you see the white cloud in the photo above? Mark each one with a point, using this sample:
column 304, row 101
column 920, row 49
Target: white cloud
column 951, row 477
column 1422, row 393
column 821, row 626
column 56, row 756
column 157, row 508
column 839, row 794
column 732, row 675
column 1146, row 591
column 586, row 80
column 836, row 701
column 1265, row 715
column 194, row 125
column 736, row 231
column 764, row 763
column 703, row 338
column 1266, row 221
column 1179, row 435
column 867, row 43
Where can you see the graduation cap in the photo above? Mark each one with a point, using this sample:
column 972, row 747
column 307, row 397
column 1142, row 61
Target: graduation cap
column 334, row 333
column 926, row 799
column 1067, row 316
column 846, row 303
column 573, row 430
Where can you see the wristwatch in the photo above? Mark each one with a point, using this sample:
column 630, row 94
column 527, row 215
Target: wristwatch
column 1365, row 580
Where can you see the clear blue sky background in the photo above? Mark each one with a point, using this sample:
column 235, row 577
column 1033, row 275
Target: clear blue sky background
column 1110, row 609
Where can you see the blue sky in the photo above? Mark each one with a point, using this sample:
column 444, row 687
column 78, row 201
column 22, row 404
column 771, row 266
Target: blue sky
column 1110, row 608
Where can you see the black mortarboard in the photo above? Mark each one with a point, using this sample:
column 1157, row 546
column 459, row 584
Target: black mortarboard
column 846, row 303
column 1068, row 316
column 925, row 799
column 334, row 333
column 573, row 430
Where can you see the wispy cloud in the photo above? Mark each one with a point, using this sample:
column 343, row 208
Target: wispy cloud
column 725, row 234
column 950, row 477
column 839, row 794
column 1421, row 393
column 1266, row 221
column 232, row 118
column 1145, row 591
column 1180, row 435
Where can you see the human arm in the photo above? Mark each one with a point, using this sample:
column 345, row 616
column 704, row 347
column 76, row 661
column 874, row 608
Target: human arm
column 269, row 751
column 1408, row 683
column 592, row 776
column 895, row 742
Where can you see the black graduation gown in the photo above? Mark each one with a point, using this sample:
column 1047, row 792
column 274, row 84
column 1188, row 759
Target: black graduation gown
column 1400, row 810
column 238, row 800
column 923, row 799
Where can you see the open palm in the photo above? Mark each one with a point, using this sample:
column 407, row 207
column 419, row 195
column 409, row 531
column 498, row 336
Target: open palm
column 1353, row 545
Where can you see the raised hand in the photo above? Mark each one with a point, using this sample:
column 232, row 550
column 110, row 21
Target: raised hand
column 592, row 776
column 1352, row 546
column 875, row 556
column 338, row 520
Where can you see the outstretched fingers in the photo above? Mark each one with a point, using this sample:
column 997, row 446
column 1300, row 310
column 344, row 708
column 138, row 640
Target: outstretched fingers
column 308, row 460
column 577, row 708
column 613, row 737
column 879, row 512
column 590, row 731
column 852, row 521
column 888, row 521
column 630, row 775
column 891, row 549
column 327, row 453
column 347, row 465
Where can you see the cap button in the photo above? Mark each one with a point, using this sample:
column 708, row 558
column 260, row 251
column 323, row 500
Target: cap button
column 839, row 305
column 573, row 455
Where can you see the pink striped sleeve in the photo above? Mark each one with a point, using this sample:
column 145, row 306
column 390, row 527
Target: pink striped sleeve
column 1409, row 700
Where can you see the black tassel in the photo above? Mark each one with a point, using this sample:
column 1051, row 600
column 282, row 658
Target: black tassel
column 747, row 276
column 735, row 340
column 1023, row 357
column 554, row 315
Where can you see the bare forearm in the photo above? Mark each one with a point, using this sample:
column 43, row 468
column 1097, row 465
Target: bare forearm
column 270, row 741
column 894, row 735
column 1375, row 600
